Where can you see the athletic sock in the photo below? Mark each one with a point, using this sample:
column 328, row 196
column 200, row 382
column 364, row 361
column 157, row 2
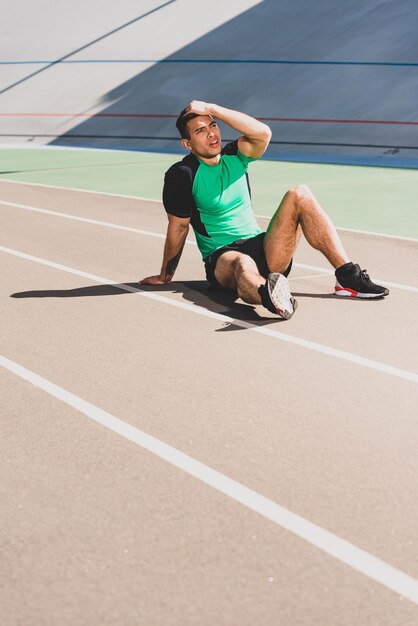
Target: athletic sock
column 265, row 298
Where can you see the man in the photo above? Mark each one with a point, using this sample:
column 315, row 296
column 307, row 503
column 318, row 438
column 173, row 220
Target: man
column 209, row 189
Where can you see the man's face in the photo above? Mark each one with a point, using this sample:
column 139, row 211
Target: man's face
column 205, row 137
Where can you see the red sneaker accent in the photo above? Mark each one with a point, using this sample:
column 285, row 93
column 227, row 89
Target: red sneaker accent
column 352, row 291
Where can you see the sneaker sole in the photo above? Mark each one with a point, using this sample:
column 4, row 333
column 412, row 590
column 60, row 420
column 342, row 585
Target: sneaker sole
column 287, row 314
column 344, row 292
column 281, row 293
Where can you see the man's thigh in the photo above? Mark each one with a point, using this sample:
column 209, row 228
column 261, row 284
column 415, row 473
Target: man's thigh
column 226, row 266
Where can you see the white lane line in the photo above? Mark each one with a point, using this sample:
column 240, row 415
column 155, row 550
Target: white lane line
column 87, row 220
column 149, row 233
column 342, row 550
column 374, row 234
column 292, row 278
column 262, row 330
column 118, row 195
column 91, row 191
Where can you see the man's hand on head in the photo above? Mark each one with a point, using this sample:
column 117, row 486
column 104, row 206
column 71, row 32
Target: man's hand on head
column 200, row 108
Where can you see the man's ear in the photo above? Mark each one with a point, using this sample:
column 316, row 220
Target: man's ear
column 186, row 144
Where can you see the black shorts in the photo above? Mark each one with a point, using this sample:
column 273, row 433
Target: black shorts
column 253, row 247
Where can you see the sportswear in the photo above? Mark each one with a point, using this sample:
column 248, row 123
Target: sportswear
column 217, row 198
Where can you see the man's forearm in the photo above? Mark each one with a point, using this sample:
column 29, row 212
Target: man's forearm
column 255, row 136
column 173, row 249
column 252, row 128
column 170, row 261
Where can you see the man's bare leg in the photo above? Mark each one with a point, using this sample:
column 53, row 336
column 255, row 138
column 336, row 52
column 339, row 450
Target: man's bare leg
column 239, row 272
column 299, row 211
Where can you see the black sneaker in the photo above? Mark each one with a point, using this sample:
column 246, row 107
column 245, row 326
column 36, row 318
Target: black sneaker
column 356, row 283
column 276, row 297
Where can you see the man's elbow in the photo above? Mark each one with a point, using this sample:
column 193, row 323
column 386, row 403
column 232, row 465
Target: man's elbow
column 184, row 228
column 181, row 231
column 178, row 224
column 266, row 134
column 263, row 139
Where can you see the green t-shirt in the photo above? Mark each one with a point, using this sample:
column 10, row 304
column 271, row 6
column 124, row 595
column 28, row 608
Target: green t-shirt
column 217, row 198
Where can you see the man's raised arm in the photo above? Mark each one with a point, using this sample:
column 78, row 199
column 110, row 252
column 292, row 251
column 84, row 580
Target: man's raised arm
column 255, row 135
column 177, row 230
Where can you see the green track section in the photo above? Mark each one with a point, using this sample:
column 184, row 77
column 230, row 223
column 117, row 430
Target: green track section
column 126, row 173
column 381, row 200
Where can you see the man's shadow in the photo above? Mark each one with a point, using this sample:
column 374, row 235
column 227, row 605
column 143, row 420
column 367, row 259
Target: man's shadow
column 198, row 292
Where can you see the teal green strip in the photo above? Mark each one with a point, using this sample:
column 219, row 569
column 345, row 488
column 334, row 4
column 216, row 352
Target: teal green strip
column 372, row 199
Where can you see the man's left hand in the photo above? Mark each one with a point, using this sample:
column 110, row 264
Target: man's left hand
column 200, row 108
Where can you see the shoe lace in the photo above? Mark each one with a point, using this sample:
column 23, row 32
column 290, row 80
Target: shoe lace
column 365, row 274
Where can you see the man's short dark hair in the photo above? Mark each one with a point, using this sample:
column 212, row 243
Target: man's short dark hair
column 181, row 123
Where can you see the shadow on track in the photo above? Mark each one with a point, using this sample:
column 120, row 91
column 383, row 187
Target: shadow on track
column 197, row 292
column 78, row 292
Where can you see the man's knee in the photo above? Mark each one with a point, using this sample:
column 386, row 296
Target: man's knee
column 244, row 264
column 299, row 193
column 233, row 267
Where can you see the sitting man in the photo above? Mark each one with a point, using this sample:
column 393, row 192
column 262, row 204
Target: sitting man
column 209, row 188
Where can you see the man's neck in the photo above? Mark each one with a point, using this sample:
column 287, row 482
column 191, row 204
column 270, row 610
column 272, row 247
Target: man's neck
column 211, row 161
